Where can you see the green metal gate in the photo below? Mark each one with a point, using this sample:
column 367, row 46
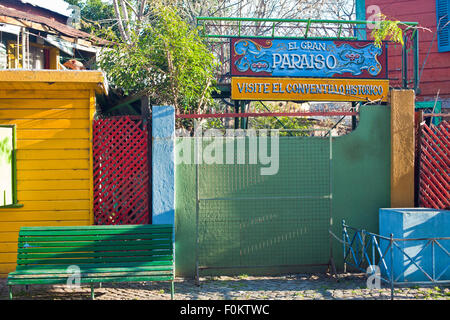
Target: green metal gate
column 248, row 220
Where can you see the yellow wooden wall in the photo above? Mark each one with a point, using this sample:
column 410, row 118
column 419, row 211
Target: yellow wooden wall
column 54, row 158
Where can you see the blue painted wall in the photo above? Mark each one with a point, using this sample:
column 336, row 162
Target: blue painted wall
column 416, row 223
column 163, row 168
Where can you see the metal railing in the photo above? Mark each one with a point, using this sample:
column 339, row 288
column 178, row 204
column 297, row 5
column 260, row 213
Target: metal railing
column 365, row 251
column 230, row 27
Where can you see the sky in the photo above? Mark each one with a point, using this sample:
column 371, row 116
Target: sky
column 59, row 6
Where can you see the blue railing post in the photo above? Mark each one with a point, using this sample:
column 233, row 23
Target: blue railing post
column 372, row 238
column 344, row 231
column 363, row 245
column 433, row 260
column 392, row 265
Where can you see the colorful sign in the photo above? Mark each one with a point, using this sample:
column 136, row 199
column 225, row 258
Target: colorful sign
column 307, row 58
column 308, row 89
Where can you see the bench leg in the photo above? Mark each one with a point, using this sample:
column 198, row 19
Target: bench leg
column 10, row 293
column 92, row 291
column 172, row 290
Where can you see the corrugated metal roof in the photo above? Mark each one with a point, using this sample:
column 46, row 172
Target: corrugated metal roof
column 57, row 26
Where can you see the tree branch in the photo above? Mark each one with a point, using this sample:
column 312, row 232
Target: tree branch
column 125, row 17
column 124, row 35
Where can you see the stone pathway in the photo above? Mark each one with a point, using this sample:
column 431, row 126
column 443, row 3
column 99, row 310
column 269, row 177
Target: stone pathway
column 288, row 287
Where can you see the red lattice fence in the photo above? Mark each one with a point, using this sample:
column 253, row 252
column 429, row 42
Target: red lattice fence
column 121, row 171
column 434, row 183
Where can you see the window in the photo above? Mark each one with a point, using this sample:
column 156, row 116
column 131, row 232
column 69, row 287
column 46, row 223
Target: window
column 8, row 196
column 443, row 25
column 14, row 55
column 37, row 57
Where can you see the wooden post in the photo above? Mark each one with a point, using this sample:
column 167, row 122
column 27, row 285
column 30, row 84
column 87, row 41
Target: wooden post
column 402, row 148
column 146, row 119
column 418, row 118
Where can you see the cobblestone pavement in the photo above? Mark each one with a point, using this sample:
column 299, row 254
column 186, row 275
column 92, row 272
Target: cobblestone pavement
column 288, row 287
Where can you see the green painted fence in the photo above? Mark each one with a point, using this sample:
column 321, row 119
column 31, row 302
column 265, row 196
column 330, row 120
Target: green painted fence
column 230, row 219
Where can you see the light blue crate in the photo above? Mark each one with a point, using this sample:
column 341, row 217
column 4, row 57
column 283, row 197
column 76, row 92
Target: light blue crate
column 417, row 223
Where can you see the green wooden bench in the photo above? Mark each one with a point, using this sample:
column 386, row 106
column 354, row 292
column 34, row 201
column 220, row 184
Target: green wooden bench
column 50, row 255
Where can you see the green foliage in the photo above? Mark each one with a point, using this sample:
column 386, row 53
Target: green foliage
column 5, row 149
column 289, row 123
column 214, row 123
column 387, row 30
column 95, row 14
column 165, row 58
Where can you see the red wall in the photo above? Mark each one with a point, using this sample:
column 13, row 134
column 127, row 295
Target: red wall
column 436, row 73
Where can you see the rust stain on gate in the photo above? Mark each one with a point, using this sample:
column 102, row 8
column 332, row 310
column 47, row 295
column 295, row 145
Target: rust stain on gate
column 121, row 171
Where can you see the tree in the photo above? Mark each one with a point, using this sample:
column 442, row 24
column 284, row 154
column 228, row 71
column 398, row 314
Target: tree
column 131, row 15
column 279, row 9
column 391, row 30
column 95, row 14
column 297, row 125
column 162, row 57
column 157, row 50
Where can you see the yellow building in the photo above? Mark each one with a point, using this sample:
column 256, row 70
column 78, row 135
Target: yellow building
column 49, row 114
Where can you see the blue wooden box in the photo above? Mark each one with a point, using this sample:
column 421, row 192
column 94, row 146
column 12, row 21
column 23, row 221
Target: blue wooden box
column 417, row 223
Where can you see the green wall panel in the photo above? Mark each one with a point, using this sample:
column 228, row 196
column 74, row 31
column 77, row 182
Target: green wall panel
column 361, row 174
column 247, row 219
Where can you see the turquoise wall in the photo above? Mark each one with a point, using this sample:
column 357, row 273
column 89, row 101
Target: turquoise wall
column 360, row 176
column 416, row 223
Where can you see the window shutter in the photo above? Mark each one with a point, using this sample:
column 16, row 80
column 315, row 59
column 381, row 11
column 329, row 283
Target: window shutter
column 443, row 11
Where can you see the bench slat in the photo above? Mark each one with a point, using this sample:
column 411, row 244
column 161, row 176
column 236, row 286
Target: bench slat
column 101, row 243
column 30, row 239
column 167, row 272
column 94, row 260
column 90, row 280
column 64, row 271
column 99, row 227
column 58, row 255
column 91, row 248
column 29, row 233
column 99, row 265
